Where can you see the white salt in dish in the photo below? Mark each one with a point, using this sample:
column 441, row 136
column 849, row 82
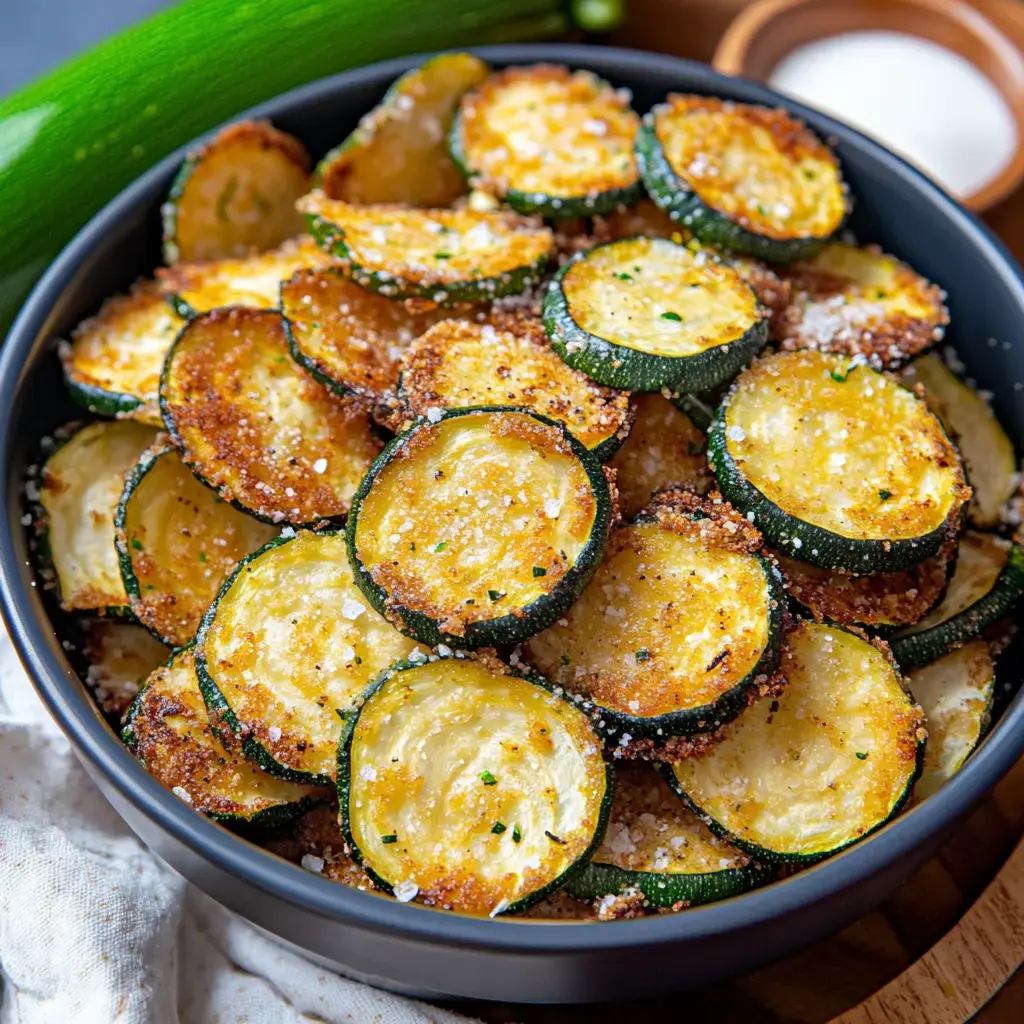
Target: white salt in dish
column 927, row 103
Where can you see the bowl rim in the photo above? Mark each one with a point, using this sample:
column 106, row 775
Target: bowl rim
column 66, row 701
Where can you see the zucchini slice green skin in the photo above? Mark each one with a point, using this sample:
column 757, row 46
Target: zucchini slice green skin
column 581, row 97
column 684, row 205
column 188, row 562
column 299, row 466
column 648, row 821
column 398, row 153
column 511, row 362
column 510, row 831
column 956, row 693
column 354, row 651
column 808, row 541
column 908, row 739
column 332, row 224
column 917, row 649
column 511, row 627
column 191, row 759
column 628, row 554
column 620, row 366
column 246, row 148
column 84, row 499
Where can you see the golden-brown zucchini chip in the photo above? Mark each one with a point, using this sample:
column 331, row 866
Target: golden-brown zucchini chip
column 348, row 338
column 457, row 364
column 442, row 255
column 745, row 178
column 663, row 449
column 478, row 527
column 113, row 363
column 194, row 288
column 987, row 452
column 956, row 695
column 806, row 444
column 804, row 775
column 167, row 728
column 468, row 786
column 120, row 656
column 399, row 151
column 236, row 194
column 859, row 301
column 176, row 541
column 253, row 426
column 549, row 140
column 77, row 496
column 288, row 644
column 679, row 629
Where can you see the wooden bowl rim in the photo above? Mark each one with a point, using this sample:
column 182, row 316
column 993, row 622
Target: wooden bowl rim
column 734, row 48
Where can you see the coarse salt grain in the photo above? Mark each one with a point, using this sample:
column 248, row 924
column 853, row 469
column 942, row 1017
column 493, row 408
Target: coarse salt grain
column 312, row 864
column 405, row 891
column 182, row 794
column 274, row 732
column 351, row 609
column 320, row 466
column 434, row 414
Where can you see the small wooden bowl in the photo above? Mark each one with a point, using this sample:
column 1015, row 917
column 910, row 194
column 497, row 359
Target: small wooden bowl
column 763, row 33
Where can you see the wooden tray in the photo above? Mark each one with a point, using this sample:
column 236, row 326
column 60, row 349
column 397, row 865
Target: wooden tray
column 943, row 947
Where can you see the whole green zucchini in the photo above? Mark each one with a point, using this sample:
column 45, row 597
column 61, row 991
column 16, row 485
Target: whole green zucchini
column 72, row 140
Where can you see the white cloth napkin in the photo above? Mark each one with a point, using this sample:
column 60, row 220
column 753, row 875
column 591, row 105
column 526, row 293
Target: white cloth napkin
column 95, row 930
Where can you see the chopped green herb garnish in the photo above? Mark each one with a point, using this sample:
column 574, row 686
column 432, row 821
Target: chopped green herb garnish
column 669, row 315
column 839, row 378
column 412, row 546
column 202, row 556
column 566, row 660
column 693, row 448
column 554, row 838
column 643, row 654
column 862, row 757
column 624, row 276
column 487, row 778
column 495, row 595
column 316, row 325
column 884, row 494
column 359, row 660
column 470, row 600
column 539, row 570
column 136, row 543
column 442, row 255
column 497, row 828
column 440, row 546
column 149, row 586
column 389, row 839
column 517, row 836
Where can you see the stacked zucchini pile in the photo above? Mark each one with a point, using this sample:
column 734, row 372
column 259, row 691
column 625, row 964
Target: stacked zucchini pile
column 416, row 513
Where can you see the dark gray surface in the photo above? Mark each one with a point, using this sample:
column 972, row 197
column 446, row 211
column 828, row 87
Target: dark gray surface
column 37, row 34
column 411, row 947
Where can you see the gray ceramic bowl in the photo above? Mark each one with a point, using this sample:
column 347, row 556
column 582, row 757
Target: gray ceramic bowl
column 413, row 948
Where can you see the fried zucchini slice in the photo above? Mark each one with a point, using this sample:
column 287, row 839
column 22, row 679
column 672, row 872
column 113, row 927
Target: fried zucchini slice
column 399, row 151
column 112, row 365
column 986, row 586
column 804, row 775
column 645, row 314
column 468, row 786
column 458, row 364
column 679, row 629
column 445, row 256
column 988, row 454
column 746, row 178
column 176, row 541
column 655, row 844
column 478, row 527
column 798, row 445
column 663, row 449
column 167, row 728
column 120, row 656
column 859, row 301
column 346, row 337
column 956, row 694
column 880, row 601
column 81, row 484
column 254, row 427
column 288, row 643
column 549, row 140
column 194, row 288
column 236, row 194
